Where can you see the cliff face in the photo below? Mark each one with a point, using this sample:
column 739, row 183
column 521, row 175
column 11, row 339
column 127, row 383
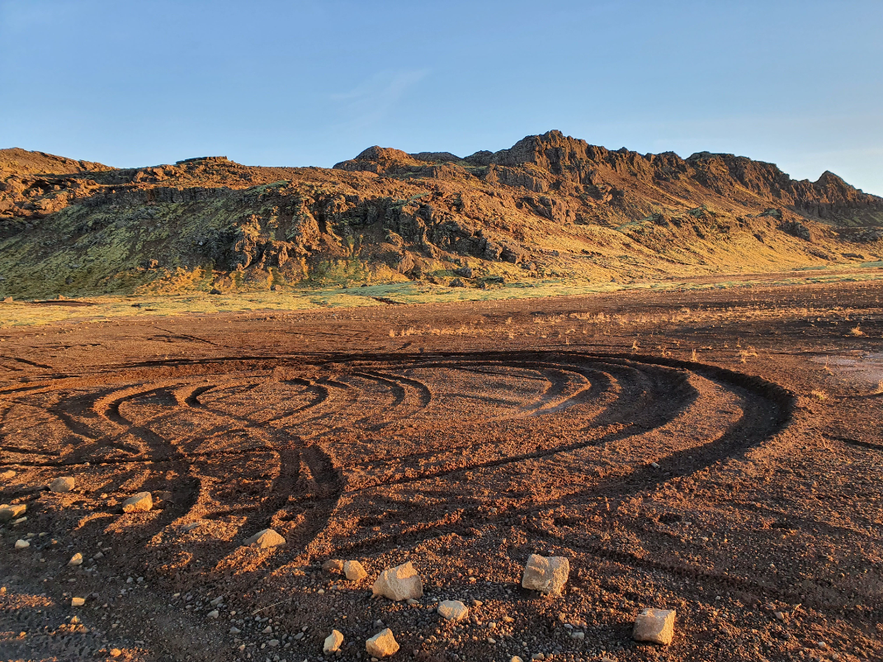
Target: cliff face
column 549, row 206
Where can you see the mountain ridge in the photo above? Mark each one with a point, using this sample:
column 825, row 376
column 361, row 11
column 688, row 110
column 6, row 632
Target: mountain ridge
column 550, row 206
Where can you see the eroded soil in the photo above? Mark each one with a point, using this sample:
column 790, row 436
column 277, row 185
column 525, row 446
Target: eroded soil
column 718, row 453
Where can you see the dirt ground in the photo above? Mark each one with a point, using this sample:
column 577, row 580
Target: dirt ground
column 715, row 452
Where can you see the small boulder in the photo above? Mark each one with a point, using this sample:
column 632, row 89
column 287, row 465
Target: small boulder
column 354, row 571
column 266, row 539
column 548, row 575
column 453, row 610
column 333, row 566
column 12, row 512
column 76, row 559
column 382, row 644
column 140, row 503
column 332, row 642
column 656, row 626
column 22, row 544
column 62, row 484
column 399, row 583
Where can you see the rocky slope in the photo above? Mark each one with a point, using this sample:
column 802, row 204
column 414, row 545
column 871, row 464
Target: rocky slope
column 551, row 206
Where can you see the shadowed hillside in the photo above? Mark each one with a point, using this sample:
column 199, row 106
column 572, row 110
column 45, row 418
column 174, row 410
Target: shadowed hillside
column 549, row 207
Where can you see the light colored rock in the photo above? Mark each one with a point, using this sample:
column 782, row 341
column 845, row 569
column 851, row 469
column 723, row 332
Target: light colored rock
column 399, row 583
column 7, row 475
column 453, row 610
column 382, row 644
column 656, row 626
column 62, row 484
column 22, row 544
column 76, row 559
column 115, row 652
column 214, row 613
column 266, row 539
column 547, row 575
column 13, row 511
column 333, row 565
column 140, row 503
column 78, row 602
column 332, row 642
column 354, row 571
column 515, row 658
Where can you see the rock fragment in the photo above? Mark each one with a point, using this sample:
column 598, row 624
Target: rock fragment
column 22, row 544
column 214, row 613
column 382, row 644
column 453, row 610
column 548, row 575
column 76, row 559
column 333, row 565
column 655, row 626
column 78, row 602
column 140, row 503
column 399, row 583
column 62, row 484
column 7, row 475
column 266, row 539
column 332, row 642
column 354, row 571
column 13, row 511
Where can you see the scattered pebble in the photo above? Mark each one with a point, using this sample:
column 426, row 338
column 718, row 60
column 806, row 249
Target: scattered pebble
column 10, row 512
column 22, row 544
column 453, row 610
column 62, row 484
column 399, row 583
column 333, row 565
column 266, row 539
column 214, row 613
column 382, row 644
column 332, row 642
column 354, row 571
column 76, row 559
column 655, row 626
column 78, row 602
column 139, row 503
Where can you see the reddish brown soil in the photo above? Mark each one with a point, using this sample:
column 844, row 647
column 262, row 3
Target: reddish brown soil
column 718, row 453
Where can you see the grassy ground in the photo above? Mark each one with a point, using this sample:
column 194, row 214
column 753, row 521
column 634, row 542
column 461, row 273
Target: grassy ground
column 27, row 313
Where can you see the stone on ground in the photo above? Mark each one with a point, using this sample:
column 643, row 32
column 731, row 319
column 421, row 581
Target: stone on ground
column 214, row 613
column 140, row 503
column 546, row 574
column 332, row 642
column 76, row 559
column 266, row 539
column 22, row 544
column 78, row 602
column 7, row 475
column 656, row 626
column 11, row 512
column 382, row 644
column 62, row 484
column 333, row 565
column 354, row 571
column 453, row 610
column 399, row 583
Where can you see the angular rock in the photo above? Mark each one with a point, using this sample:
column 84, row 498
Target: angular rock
column 382, row 644
column 399, row 583
column 140, row 503
column 354, row 571
column 333, row 565
column 13, row 511
column 214, row 613
column 656, row 626
column 332, row 642
column 453, row 610
column 22, row 544
column 78, row 602
column 266, row 539
column 76, row 559
column 548, row 575
column 62, row 484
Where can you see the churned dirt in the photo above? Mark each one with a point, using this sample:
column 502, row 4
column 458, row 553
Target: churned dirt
column 718, row 453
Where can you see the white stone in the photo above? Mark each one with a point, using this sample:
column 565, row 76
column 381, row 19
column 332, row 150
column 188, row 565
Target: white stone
column 453, row 610
column 13, row 511
column 354, row 571
column 78, row 602
column 399, row 583
column 382, row 644
column 62, row 484
column 546, row 574
column 656, row 626
column 332, row 642
column 76, row 559
column 266, row 539
column 140, row 503
column 22, row 544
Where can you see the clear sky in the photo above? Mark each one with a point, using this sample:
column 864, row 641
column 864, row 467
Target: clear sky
column 798, row 83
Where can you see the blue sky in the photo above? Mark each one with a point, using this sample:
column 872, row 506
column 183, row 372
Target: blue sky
column 798, row 83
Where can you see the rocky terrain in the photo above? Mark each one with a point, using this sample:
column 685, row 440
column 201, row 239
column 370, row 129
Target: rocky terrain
column 549, row 207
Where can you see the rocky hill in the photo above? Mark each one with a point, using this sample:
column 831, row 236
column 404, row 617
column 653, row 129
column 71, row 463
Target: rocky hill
column 551, row 206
